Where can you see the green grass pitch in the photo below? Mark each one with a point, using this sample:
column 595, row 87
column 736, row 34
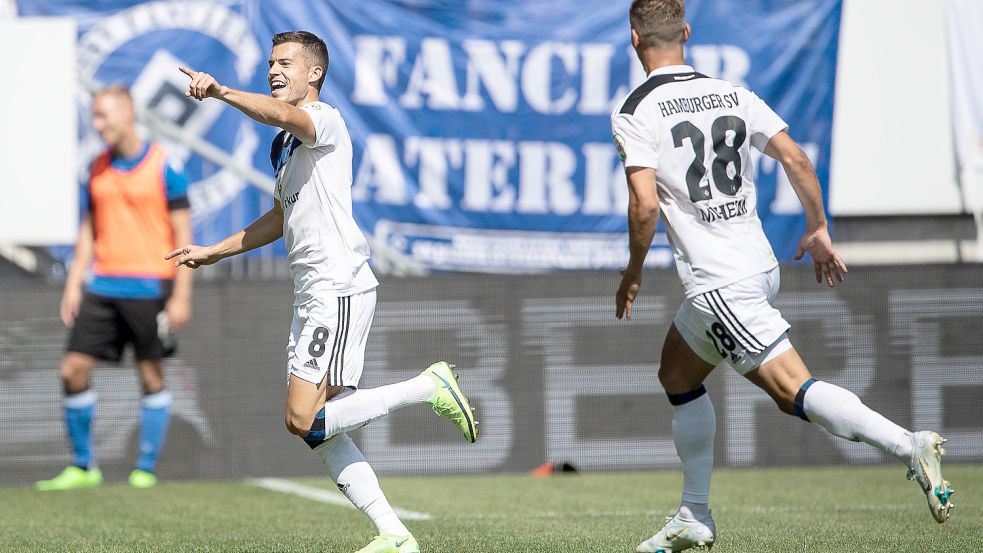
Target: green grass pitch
column 836, row 509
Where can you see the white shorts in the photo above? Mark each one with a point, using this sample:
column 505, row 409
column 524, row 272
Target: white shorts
column 327, row 339
column 736, row 323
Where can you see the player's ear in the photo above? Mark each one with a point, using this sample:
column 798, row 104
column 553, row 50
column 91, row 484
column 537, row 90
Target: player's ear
column 687, row 31
column 314, row 73
column 635, row 40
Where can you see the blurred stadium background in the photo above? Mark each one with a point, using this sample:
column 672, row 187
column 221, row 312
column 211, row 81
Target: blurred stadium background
column 487, row 182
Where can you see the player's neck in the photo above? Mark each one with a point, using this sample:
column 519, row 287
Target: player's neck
column 653, row 59
column 129, row 147
column 312, row 96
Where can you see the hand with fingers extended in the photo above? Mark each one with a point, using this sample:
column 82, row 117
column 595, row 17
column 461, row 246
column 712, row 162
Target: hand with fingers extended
column 192, row 256
column 627, row 292
column 827, row 263
column 71, row 302
column 202, row 85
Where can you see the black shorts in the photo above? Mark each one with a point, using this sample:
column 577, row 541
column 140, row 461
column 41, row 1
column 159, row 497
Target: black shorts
column 105, row 325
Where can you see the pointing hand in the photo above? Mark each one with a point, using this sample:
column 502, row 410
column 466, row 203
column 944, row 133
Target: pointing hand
column 202, row 85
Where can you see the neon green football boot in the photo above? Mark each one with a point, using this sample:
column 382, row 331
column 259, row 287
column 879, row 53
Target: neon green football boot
column 72, row 478
column 448, row 401
column 142, row 479
column 391, row 543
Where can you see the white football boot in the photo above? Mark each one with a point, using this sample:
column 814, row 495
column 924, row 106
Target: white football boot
column 925, row 468
column 682, row 531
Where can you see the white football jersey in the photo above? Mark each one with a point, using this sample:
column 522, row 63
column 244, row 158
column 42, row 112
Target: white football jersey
column 696, row 133
column 328, row 253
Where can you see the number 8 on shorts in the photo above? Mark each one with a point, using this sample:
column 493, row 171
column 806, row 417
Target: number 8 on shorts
column 328, row 343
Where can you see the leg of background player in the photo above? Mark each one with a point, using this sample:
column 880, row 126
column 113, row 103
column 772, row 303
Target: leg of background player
column 80, row 407
column 155, row 410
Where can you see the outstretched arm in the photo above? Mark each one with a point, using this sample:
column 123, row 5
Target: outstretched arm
column 261, row 232
column 265, row 109
column 826, row 262
column 643, row 217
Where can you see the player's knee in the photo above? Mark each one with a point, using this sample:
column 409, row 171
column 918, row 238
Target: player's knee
column 68, row 371
column 783, row 398
column 152, row 384
column 674, row 380
column 74, row 376
column 785, row 405
column 298, row 423
column 151, row 376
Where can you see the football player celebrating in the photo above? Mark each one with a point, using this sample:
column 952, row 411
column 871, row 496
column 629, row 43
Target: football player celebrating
column 685, row 143
column 334, row 287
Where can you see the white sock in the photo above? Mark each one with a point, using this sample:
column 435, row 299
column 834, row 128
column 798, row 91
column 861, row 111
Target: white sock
column 693, row 427
column 356, row 479
column 352, row 410
column 842, row 413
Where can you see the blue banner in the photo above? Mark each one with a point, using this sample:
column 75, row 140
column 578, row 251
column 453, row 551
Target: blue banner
column 481, row 129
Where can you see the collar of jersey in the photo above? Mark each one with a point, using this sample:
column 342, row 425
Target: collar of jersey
column 671, row 69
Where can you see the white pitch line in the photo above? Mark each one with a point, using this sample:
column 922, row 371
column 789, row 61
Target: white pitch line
column 322, row 495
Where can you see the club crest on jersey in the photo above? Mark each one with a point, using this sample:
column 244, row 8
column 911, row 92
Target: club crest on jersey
column 619, row 143
column 158, row 87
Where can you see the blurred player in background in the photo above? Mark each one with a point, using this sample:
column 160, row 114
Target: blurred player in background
column 684, row 139
column 334, row 287
column 137, row 209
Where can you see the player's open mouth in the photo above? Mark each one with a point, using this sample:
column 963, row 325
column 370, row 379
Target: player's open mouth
column 277, row 85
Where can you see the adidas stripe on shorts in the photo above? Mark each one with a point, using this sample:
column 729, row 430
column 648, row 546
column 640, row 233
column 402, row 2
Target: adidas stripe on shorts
column 736, row 323
column 327, row 339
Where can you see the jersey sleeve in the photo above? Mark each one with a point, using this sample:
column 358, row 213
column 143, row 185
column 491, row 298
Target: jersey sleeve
column 85, row 199
column 176, row 184
column 763, row 122
column 326, row 120
column 636, row 145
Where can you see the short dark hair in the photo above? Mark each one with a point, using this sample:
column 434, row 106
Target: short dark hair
column 314, row 48
column 117, row 90
column 659, row 23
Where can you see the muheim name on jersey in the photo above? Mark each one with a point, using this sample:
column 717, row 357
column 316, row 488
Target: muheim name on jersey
column 507, row 165
column 696, row 104
column 724, row 212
